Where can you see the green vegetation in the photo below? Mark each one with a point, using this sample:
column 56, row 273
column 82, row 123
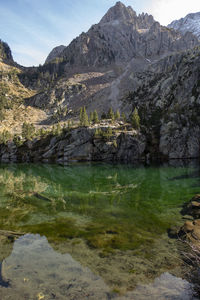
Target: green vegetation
column 110, row 114
column 5, row 136
column 83, row 117
column 28, row 131
column 57, row 130
column 103, row 134
column 17, row 140
column 135, row 119
column 94, row 118
column 117, row 115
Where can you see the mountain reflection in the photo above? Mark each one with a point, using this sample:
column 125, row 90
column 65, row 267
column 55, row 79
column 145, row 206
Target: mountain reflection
column 35, row 271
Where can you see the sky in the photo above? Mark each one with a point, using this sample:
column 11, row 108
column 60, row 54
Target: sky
column 32, row 28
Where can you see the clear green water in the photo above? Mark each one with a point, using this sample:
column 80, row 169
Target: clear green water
column 116, row 215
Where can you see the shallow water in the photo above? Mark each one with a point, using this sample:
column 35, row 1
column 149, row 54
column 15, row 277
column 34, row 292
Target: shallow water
column 96, row 231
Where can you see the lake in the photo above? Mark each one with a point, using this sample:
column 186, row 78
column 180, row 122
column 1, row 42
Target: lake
column 94, row 231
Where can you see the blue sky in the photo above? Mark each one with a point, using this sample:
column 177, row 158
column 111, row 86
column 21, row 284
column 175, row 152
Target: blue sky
column 32, row 28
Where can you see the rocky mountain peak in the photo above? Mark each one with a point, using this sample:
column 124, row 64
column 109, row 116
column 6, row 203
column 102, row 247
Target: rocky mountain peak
column 145, row 21
column 190, row 23
column 119, row 12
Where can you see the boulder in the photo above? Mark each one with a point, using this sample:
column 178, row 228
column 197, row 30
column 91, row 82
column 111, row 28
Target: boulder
column 192, row 208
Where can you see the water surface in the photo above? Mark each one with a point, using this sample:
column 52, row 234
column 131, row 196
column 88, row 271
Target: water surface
column 105, row 223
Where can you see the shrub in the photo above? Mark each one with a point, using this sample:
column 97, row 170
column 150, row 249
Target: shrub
column 28, row 130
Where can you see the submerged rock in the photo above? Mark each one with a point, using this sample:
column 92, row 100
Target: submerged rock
column 192, row 207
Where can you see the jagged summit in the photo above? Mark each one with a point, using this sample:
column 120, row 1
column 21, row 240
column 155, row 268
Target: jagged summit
column 120, row 36
column 189, row 23
column 118, row 12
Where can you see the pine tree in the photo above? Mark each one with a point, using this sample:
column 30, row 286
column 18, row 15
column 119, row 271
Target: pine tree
column 111, row 114
column 103, row 116
column 81, row 116
column 91, row 117
column 85, row 121
column 117, row 115
column 135, row 119
column 95, row 117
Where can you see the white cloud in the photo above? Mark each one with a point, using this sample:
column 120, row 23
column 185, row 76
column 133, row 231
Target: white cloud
column 165, row 11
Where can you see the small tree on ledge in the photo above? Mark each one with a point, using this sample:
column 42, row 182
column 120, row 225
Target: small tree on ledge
column 83, row 117
column 135, row 119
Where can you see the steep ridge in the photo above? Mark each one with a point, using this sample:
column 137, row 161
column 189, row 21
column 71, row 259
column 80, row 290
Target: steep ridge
column 120, row 36
column 190, row 23
column 99, row 58
column 167, row 95
column 13, row 93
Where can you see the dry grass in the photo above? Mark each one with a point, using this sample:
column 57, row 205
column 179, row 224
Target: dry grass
column 15, row 117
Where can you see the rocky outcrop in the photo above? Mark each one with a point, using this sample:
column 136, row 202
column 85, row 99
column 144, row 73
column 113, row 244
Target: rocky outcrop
column 191, row 228
column 192, row 208
column 5, row 53
column 81, row 144
column 54, row 53
column 163, row 92
column 191, row 23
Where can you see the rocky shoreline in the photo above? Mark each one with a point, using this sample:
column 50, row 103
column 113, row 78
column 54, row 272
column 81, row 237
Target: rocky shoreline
column 190, row 231
column 104, row 143
column 189, row 234
column 78, row 144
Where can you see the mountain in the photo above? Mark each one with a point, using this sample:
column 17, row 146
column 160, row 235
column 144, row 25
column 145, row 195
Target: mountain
column 126, row 61
column 191, row 23
column 88, row 71
column 54, row 53
column 13, row 111
column 120, row 36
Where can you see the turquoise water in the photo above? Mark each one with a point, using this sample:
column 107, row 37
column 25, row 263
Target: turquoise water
column 112, row 219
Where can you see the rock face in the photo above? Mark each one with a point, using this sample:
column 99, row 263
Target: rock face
column 163, row 92
column 120, row 36
column 54, row 53
column 5, row 53
column 191, row 229
column 126, row 62
column 191, row 23
column 80, row 144
column 192, row 208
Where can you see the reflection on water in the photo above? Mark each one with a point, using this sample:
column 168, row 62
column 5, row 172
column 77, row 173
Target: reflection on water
column 112, row 219
column 35, row 271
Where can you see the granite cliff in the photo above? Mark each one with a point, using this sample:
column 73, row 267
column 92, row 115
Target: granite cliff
column 126, row 61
